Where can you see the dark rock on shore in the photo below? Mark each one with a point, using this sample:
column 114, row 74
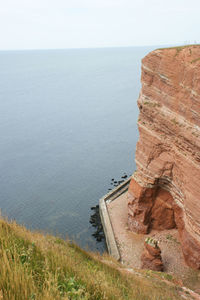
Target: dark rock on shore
column 95, row 220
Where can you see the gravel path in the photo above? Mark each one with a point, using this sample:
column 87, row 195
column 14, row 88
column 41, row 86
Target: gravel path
column 131, row 244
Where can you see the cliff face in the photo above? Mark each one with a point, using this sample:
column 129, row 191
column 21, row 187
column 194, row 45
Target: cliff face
column 165, row 190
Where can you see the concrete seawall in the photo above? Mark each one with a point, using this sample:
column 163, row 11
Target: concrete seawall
column 105, row 219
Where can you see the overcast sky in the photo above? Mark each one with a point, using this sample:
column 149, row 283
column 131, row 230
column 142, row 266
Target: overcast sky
column 40, row 24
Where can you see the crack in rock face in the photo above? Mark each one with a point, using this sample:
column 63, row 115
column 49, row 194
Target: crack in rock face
column 164, row 191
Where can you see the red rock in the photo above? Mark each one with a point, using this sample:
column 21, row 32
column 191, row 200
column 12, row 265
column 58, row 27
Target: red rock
column 164, row 191
column 151, row 257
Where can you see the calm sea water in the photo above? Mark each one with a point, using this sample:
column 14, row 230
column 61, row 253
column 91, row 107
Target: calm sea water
column 67, row 126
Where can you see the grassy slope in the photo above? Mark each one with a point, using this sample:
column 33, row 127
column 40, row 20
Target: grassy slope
column 34, row 266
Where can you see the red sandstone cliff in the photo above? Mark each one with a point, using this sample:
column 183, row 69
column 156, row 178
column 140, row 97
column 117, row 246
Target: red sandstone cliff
column 165, row 190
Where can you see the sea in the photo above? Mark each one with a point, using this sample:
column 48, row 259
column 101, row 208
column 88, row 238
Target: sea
column 68, row 126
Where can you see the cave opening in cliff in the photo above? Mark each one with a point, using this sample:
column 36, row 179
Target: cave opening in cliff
column 162, row 212
column 150, row 208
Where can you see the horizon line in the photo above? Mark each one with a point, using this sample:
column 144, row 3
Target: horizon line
column 87, row 48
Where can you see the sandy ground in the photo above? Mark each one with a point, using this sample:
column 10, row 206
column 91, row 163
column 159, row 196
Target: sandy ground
column 131, row 244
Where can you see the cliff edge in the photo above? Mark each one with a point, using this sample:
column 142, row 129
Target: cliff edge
column 164, row 192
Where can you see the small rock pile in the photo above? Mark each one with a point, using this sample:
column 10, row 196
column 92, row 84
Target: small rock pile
column 151, row 256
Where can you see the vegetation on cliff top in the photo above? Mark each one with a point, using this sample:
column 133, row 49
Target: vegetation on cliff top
column 35, row 266
column 179, row 48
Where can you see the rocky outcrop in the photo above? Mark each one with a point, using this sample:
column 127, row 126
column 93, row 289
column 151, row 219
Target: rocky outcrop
column 165, row 190
column 151, row 256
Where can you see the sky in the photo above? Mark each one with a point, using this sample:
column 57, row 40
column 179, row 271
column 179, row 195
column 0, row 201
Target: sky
column 55, row 24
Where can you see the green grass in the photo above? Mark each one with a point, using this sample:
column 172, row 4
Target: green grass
column 174, row 121
column 195, row 60
column 180, row 48
column 171, row 238
column 192, row 279
column 38, row 267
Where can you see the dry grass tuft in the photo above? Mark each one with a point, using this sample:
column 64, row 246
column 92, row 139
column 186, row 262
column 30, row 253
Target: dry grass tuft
column 40, row 267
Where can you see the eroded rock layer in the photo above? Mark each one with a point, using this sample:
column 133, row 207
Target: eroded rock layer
column 151, row 257
column 165, row 190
